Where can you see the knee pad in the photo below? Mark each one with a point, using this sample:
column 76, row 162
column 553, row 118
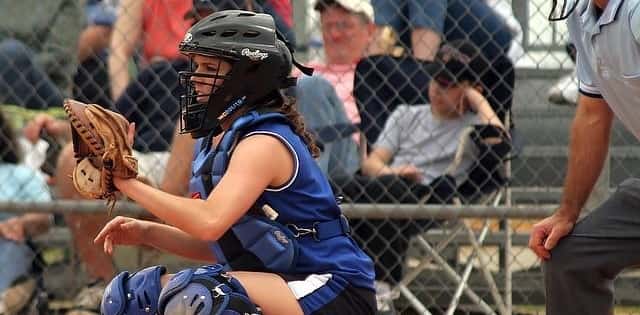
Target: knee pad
column 132, row 294
column 207, row 290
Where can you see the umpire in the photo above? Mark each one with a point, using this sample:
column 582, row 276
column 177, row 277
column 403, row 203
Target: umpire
column 582, row 259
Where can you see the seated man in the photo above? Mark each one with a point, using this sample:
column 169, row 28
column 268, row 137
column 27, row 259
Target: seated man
column 423, row 25
column 412, row 158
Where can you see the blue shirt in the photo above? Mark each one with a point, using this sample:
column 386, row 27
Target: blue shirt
column 20, row 183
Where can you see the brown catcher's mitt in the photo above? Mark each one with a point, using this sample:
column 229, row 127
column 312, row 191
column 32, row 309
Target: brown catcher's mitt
column 101, row 149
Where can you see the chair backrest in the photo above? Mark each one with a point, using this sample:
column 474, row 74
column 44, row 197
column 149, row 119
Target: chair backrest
column 382, row 83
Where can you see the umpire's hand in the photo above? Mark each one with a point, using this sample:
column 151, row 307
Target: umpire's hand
column 548, row 232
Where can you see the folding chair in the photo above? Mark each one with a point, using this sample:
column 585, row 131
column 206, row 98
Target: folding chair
column 381, row 84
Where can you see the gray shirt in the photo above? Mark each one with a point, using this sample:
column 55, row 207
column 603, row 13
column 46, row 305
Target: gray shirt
column 414, row 136
column 608, row 56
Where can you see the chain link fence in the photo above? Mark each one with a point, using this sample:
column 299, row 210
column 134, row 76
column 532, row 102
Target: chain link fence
column 440, row 191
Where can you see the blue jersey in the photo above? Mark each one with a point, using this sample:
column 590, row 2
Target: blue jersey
column 308, row 197
column 332, row 263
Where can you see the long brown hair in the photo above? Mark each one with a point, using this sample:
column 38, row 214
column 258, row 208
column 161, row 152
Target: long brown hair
column 289, row 109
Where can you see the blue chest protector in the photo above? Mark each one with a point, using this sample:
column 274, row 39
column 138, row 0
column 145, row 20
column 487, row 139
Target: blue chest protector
column 257, row 241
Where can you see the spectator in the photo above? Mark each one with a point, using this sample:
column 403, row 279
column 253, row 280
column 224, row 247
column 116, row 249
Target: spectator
column 423, row 25
column 410, row 162
column 36, row 40
column 156, row 26
column 16, row 256
column 419, row 142
column 347, row 31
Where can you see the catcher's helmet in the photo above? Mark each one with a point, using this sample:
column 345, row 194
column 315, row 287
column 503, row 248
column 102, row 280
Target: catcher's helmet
column 261, row 63
column 561, row 9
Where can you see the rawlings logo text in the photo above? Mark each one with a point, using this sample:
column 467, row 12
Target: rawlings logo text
column 254, row 55
column 187, row 38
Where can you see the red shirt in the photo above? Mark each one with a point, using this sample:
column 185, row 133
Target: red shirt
column 163, row 27
column 284, row 9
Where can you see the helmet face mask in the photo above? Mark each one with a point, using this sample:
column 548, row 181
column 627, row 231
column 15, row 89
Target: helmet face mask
column 260, row 67
column 200, row 90
column 561, row 9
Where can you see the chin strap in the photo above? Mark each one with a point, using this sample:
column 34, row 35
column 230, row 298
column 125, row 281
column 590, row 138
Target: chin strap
column 304, row 69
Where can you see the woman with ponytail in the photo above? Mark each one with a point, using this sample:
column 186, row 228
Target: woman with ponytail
column 262, row 213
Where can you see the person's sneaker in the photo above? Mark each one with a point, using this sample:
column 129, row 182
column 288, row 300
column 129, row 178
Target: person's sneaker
column 565, row 91
column 384, row 298
column 14, row 299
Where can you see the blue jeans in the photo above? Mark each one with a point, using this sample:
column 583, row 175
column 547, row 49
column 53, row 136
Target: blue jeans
column 15, row 260
column 454, row 19
column 22, row 81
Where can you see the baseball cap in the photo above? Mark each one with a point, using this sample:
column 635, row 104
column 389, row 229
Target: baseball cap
column 457, row 61
column 356, row 6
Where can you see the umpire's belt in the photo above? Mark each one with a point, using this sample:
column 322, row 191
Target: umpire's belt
column 322, row 230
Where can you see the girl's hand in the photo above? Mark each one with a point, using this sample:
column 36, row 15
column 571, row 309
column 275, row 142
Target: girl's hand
column 122, row 231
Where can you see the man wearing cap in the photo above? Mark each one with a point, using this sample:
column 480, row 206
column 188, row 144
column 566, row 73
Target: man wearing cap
column 423, row 25
column 582, row 259
column 416, row 148
column 347, row 30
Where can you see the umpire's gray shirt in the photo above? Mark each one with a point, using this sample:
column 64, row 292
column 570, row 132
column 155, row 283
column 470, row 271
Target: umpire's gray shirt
column 608, row 56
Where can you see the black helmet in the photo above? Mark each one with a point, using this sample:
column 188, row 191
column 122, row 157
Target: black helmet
column 261, row 63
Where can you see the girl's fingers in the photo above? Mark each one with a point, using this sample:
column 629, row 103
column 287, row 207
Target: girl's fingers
column 104, row 246
column 108, row 245
column 110, row 226
column 101, row 235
